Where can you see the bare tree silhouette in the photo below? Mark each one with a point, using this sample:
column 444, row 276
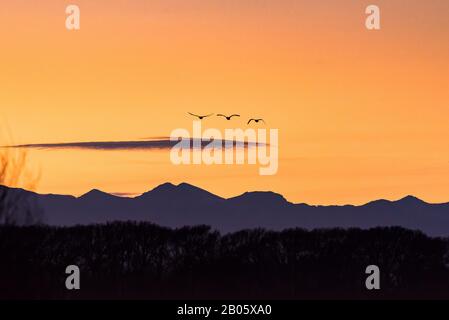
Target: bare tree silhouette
column 15, row 206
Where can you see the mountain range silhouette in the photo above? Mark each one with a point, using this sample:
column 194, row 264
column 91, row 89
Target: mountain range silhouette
column 184, row 204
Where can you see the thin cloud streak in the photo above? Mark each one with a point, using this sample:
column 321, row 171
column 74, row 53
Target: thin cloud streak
column 158, row 144
column 125, row 194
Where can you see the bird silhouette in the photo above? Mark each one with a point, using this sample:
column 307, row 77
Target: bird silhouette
column 255, row 120
column 200, row 117
column 228, row 117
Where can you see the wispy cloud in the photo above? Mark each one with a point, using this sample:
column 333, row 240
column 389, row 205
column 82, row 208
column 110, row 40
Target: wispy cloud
column 125, row 194
column 158, row 143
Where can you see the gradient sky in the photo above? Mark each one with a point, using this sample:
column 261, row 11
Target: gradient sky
column 361, row 114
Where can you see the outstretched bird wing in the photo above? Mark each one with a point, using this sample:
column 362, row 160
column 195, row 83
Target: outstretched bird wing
column 208, row 115
column 234, row 115
column 262, row 121
column 250, row 120
column 221, row 115
column 193, row 114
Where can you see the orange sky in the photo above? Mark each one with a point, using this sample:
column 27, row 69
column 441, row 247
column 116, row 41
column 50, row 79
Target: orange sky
column 361, row 114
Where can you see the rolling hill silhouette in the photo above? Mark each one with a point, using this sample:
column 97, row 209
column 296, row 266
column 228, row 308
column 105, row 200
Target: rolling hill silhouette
column 184, row 204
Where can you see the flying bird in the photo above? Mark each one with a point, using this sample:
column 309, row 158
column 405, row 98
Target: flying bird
column 256, row 120
column 228, row 117
column 200, row 117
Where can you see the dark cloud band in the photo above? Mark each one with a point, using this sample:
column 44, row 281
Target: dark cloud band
column 155, row 144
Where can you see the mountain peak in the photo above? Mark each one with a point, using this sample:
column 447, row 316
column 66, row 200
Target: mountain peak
column 170, row 187
column 263, row 197
column 95, row 194
column 164, row 187
column 186, row 185
column 411, row 200
column 182, row 189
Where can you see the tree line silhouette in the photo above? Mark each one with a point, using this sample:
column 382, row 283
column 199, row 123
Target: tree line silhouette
column 130, row 260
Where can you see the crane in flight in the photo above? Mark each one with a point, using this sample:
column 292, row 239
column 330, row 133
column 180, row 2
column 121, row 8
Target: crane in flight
column 256, row 120
column 199, row 116
column 228, row 117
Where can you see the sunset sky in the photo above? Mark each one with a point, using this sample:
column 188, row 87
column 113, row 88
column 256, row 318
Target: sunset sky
column 361, row 114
